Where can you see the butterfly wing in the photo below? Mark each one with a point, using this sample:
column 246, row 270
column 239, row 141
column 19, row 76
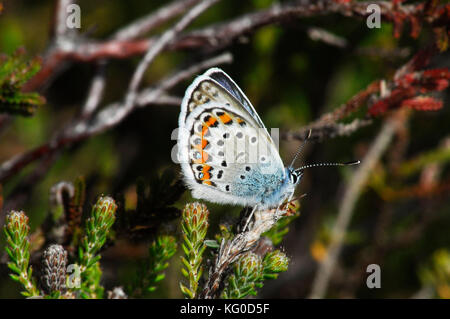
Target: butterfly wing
column 228, row 84
column 226, row 154
column 215, row 85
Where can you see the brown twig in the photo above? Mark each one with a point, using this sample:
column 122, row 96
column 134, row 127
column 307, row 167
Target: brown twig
column 408, row 84
column 230, row 250
column 217, row 36
column 153, row 20
column 96, row 91
column 59, row 28
column 154, row 50
column 85, row 128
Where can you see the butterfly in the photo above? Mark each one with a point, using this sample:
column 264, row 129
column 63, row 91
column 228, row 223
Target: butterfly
column 226, row 154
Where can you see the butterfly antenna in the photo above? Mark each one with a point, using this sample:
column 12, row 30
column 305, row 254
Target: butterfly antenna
column 300, row 149
column 328, row 164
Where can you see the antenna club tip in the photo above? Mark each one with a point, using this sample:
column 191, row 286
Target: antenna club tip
column 353, row 163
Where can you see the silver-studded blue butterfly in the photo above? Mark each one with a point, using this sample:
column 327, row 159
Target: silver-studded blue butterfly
column 226, row 153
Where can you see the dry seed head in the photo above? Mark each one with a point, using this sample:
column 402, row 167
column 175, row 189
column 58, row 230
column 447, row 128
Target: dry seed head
column 54, row 262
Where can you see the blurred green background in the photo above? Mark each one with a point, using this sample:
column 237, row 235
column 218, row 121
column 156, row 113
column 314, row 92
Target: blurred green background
column 292, row 80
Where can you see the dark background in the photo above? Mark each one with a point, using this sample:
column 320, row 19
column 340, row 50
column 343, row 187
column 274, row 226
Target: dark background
column 292, row 80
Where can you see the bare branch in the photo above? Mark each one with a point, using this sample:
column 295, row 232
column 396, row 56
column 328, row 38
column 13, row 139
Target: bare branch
column 85, row 128
column 147, row 96
column 60, row 27
column 158, row 46
column 319, row 34
column 154, row 19
column 221, row 35
column 230, row 250
column 409, row 82
column 96, row 91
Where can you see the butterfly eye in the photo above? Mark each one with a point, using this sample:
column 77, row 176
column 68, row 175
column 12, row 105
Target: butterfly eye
column 294, row 178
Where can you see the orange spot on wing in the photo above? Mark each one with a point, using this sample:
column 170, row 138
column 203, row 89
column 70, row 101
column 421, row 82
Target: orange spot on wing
column 204, row 129
column 204, row 143
column 204, row 157
column 205, row 171
column 211, row 121
column 225, row 118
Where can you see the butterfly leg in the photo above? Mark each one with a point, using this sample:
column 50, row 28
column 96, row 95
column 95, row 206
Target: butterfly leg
column 250, row 217
column 278, row 214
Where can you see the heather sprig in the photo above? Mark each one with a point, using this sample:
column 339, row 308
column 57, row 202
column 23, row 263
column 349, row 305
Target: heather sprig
column 250, row 271
column 274, row 262
column 18, row 249
column 246, row 277
column 96, row 230
column 194, row 226
column 160, row 251
column 15, row 71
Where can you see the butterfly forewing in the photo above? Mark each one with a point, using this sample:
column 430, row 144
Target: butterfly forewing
column 228, row 84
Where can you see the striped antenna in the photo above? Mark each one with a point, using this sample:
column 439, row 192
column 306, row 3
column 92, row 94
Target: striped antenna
column 327, row 164
column 300, row 149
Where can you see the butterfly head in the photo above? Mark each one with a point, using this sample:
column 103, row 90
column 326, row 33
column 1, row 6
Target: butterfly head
column 294, row 175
